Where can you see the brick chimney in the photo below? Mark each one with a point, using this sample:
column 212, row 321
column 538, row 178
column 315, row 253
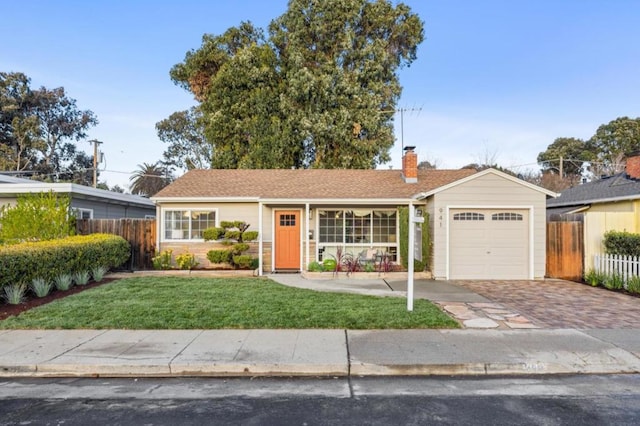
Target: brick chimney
column 633, row 165
column 410, row 165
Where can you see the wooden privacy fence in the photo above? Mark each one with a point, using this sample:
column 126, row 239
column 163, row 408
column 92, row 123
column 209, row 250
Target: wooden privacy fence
column 565, row 250
column 140, row 233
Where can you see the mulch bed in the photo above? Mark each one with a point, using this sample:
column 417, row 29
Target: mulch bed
column 31, row 301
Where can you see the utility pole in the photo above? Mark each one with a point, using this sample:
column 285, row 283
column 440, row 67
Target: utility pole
column 561, row 168
column 95, row 143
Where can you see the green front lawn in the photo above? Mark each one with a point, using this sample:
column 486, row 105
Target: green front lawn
column 214, row 303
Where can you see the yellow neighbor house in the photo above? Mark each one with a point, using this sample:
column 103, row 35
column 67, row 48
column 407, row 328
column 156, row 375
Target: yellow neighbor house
column 606, row 204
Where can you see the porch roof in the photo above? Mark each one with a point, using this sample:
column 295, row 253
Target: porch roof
column 305, row 184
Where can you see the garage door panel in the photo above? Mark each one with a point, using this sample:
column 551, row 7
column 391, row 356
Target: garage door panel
column 494, row 248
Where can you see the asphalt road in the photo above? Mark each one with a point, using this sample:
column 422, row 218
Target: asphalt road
column 575, row 400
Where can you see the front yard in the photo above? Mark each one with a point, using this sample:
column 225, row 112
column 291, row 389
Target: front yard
column 216, row 303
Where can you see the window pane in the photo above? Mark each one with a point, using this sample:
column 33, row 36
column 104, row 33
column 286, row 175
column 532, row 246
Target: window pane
column 468, row 216
column 201, row 220
column 176, row 225
column 384, row 226
column 358, row 226
column 331, row 226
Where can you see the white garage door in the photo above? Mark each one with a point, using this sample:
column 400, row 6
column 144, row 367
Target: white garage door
column 488, row 244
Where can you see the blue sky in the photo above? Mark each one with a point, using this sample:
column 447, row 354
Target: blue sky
column 493, row 78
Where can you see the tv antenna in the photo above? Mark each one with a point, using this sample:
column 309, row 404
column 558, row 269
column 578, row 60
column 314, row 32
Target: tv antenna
column 402, row 111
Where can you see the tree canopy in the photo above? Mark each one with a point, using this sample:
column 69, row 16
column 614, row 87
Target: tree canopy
column 38, row 131
column 605, row 151
column 149, row 179
column 319, row 91
column 612, row 141
column 188, row 147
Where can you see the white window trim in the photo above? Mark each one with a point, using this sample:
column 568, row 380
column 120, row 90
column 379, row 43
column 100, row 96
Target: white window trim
column 78, row 212
column 172, row 240
column 343, row 244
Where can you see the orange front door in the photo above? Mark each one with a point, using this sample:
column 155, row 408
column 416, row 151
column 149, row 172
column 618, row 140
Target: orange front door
column 287, row 241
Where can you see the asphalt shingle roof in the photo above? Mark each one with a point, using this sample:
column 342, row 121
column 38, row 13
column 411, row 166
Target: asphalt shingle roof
column 307, row 183
column 616, row 186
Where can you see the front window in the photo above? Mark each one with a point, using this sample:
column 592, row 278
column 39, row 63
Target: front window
column 355, row 230
column 187, row 224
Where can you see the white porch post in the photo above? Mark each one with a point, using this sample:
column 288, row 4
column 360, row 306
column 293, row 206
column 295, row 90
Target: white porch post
column 260, row 233
column 305, row 264
column 410, row 259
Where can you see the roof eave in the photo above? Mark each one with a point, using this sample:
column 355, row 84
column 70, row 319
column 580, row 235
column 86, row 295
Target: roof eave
column 597, row 201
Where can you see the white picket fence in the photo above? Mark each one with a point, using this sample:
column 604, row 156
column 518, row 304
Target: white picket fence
column 623, row 266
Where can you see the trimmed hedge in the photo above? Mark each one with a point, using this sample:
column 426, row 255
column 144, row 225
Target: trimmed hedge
column 20, row 263
column 622, row 243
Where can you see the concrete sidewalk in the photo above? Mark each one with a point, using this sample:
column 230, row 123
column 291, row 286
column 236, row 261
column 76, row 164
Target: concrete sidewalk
column 219, row 353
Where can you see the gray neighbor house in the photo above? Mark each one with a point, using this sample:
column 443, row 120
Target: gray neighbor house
column 86, row 202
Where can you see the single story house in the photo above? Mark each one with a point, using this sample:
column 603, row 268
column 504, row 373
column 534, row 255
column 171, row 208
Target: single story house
column 606, row 204
column 484, row 225
column 87, row 202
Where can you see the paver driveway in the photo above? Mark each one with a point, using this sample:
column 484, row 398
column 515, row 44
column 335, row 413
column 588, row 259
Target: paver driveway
column 555, row 303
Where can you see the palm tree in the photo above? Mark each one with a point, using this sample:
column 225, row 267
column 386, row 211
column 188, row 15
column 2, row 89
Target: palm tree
column 149, row 179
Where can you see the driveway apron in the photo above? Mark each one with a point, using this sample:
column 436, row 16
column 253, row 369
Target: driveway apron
column 555, row 303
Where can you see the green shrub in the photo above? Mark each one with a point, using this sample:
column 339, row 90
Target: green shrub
column 633, row 285
column 329, row 264
column 226, row 224
column 98, row 273
column 233, row 235
column 14, row 293
column 41, row 287
column 162, row 260
column 81, row 277
column 614, row 282
column 63, row 282
column 219, row 256
column 186, row 261
column 249, row 236
column 368, row 267
column 36, row 217
column 47, row 259
column 213, row 234
column 622, row 243
column 240, row 248
column 255, row 263
column 243, row 261
column 315, row 267
column 594, row 278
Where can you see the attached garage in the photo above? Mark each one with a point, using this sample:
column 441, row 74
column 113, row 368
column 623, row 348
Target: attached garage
column 488, row 226
column 489, row 244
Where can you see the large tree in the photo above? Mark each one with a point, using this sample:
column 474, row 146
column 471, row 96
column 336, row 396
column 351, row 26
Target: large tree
column 612, row 141
column 320, row 91
column 39, row 129
column 562, row 162
column 184, row 132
